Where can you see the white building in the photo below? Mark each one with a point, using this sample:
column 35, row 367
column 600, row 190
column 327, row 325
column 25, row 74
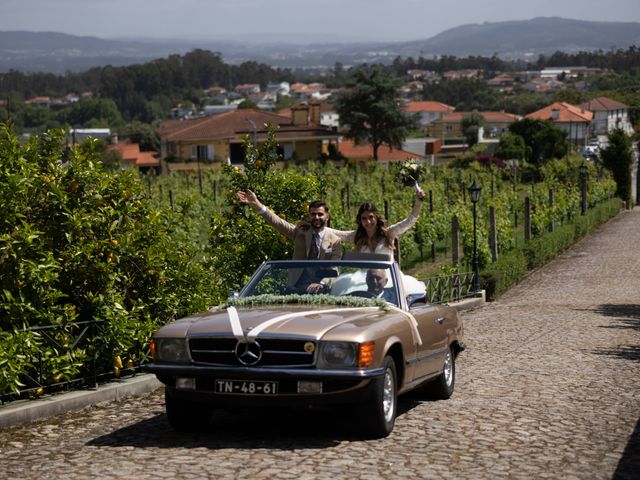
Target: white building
column 607, row 116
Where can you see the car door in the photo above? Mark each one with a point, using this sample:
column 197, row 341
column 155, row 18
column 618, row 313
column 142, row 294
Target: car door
column 432, row 326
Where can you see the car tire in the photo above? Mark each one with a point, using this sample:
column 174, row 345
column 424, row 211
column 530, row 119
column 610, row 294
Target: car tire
column 442, row 386
column 185, row 415
column 378, row 416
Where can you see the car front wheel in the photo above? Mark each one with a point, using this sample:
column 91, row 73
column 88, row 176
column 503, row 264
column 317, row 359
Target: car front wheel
column 378, row 416
column 184, row 415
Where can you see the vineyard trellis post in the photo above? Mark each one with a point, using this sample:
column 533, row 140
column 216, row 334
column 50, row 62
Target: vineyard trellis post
column 527, row 219
column 493, row 233
column 551, row 202
column 455, row 241
column 583, row 188
column 433, row 243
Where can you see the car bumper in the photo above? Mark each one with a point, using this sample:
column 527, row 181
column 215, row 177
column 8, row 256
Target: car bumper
column 333, row 386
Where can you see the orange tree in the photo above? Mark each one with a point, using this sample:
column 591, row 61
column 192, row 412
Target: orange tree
column 81, row 243
column 239, row 238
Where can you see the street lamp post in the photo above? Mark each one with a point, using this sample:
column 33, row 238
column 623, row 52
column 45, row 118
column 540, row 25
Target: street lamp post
column 474, row 193
column 583, row 188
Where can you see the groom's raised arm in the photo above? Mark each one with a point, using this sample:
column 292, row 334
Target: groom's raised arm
column 250, row 198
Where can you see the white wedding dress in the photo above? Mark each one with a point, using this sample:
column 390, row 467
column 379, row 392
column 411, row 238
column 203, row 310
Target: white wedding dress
column 411, row 284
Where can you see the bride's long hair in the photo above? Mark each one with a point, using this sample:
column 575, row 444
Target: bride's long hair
column 361, row 239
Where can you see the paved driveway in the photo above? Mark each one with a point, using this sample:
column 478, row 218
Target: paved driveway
column 548, row 388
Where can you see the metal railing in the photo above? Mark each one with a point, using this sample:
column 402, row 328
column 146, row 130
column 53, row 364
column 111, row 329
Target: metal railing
column 76, row 341
column 449, row 288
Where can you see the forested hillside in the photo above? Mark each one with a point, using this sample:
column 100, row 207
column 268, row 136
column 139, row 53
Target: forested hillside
column 146, row 92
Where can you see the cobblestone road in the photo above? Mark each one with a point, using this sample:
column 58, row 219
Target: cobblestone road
column 548, row 388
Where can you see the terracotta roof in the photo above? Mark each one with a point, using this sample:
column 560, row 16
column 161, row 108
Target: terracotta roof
column 428, row 106
column 173, row 125
column 490, row 117
column 566, row 113
column 228, row 124
column 234, row 125
column 130, row 153
column 40, row 99
column 600, row 104
column 147, row 159
column 365, row 152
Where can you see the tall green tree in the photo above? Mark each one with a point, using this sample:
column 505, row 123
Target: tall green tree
column 471, row 125
column 144, row 135
column 511, row 146
column 370, row 111
column 93, row 112
column 543, row 139
column 618, row 158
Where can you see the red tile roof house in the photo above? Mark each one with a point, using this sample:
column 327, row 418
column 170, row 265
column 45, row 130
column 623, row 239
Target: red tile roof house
column 247, row 88
column 364, row 153
column 449, row 130
column 429, row 111
column 573, row 120
column 216, row 140
column 133, row 157
column 607, row 115
column 42, row 100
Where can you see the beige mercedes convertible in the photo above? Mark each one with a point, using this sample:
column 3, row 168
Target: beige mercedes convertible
column 310, row 333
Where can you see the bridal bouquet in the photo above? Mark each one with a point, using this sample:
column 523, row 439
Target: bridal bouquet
column 409, row 173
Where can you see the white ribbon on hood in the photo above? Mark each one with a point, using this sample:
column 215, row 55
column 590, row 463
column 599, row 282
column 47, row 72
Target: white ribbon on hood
column 236, row 326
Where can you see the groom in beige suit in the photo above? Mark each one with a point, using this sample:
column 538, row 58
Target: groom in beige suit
column 315, row 243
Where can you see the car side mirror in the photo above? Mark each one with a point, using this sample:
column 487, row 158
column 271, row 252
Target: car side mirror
column 416, row 298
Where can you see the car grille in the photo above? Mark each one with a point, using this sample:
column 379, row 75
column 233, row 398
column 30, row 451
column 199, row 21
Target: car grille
column 275, row 352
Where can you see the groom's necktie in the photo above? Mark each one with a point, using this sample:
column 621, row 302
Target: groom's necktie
column 314, row 250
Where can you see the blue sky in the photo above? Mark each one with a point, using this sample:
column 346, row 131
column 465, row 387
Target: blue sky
column 301, row 20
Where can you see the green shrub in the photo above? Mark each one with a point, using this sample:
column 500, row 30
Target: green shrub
column 509, row 269
column 239, row 238
column 80, row 243
column 503, row 273
column 595, row 216
column 544, row 247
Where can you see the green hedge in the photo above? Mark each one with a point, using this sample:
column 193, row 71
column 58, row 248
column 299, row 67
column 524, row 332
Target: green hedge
column 83, row 247
column 503, row 273
column 511, row 267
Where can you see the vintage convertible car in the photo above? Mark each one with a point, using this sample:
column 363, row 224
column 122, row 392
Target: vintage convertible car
column 359, row 341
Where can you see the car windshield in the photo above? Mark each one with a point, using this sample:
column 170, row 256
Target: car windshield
column 357, row 279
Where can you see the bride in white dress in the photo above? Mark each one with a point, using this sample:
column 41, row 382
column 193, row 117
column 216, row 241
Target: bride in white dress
column 372, row 236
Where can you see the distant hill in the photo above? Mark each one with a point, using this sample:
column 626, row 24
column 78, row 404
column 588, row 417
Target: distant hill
column 518, row 38
column 57, row 52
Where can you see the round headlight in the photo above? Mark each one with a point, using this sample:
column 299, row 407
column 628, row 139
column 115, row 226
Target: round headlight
column 337, row 355
column 172, row 350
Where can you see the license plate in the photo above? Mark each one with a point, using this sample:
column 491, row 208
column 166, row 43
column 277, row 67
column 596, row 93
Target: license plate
column 246, row 387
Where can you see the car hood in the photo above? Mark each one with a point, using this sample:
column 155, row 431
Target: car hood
column 304, row 321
